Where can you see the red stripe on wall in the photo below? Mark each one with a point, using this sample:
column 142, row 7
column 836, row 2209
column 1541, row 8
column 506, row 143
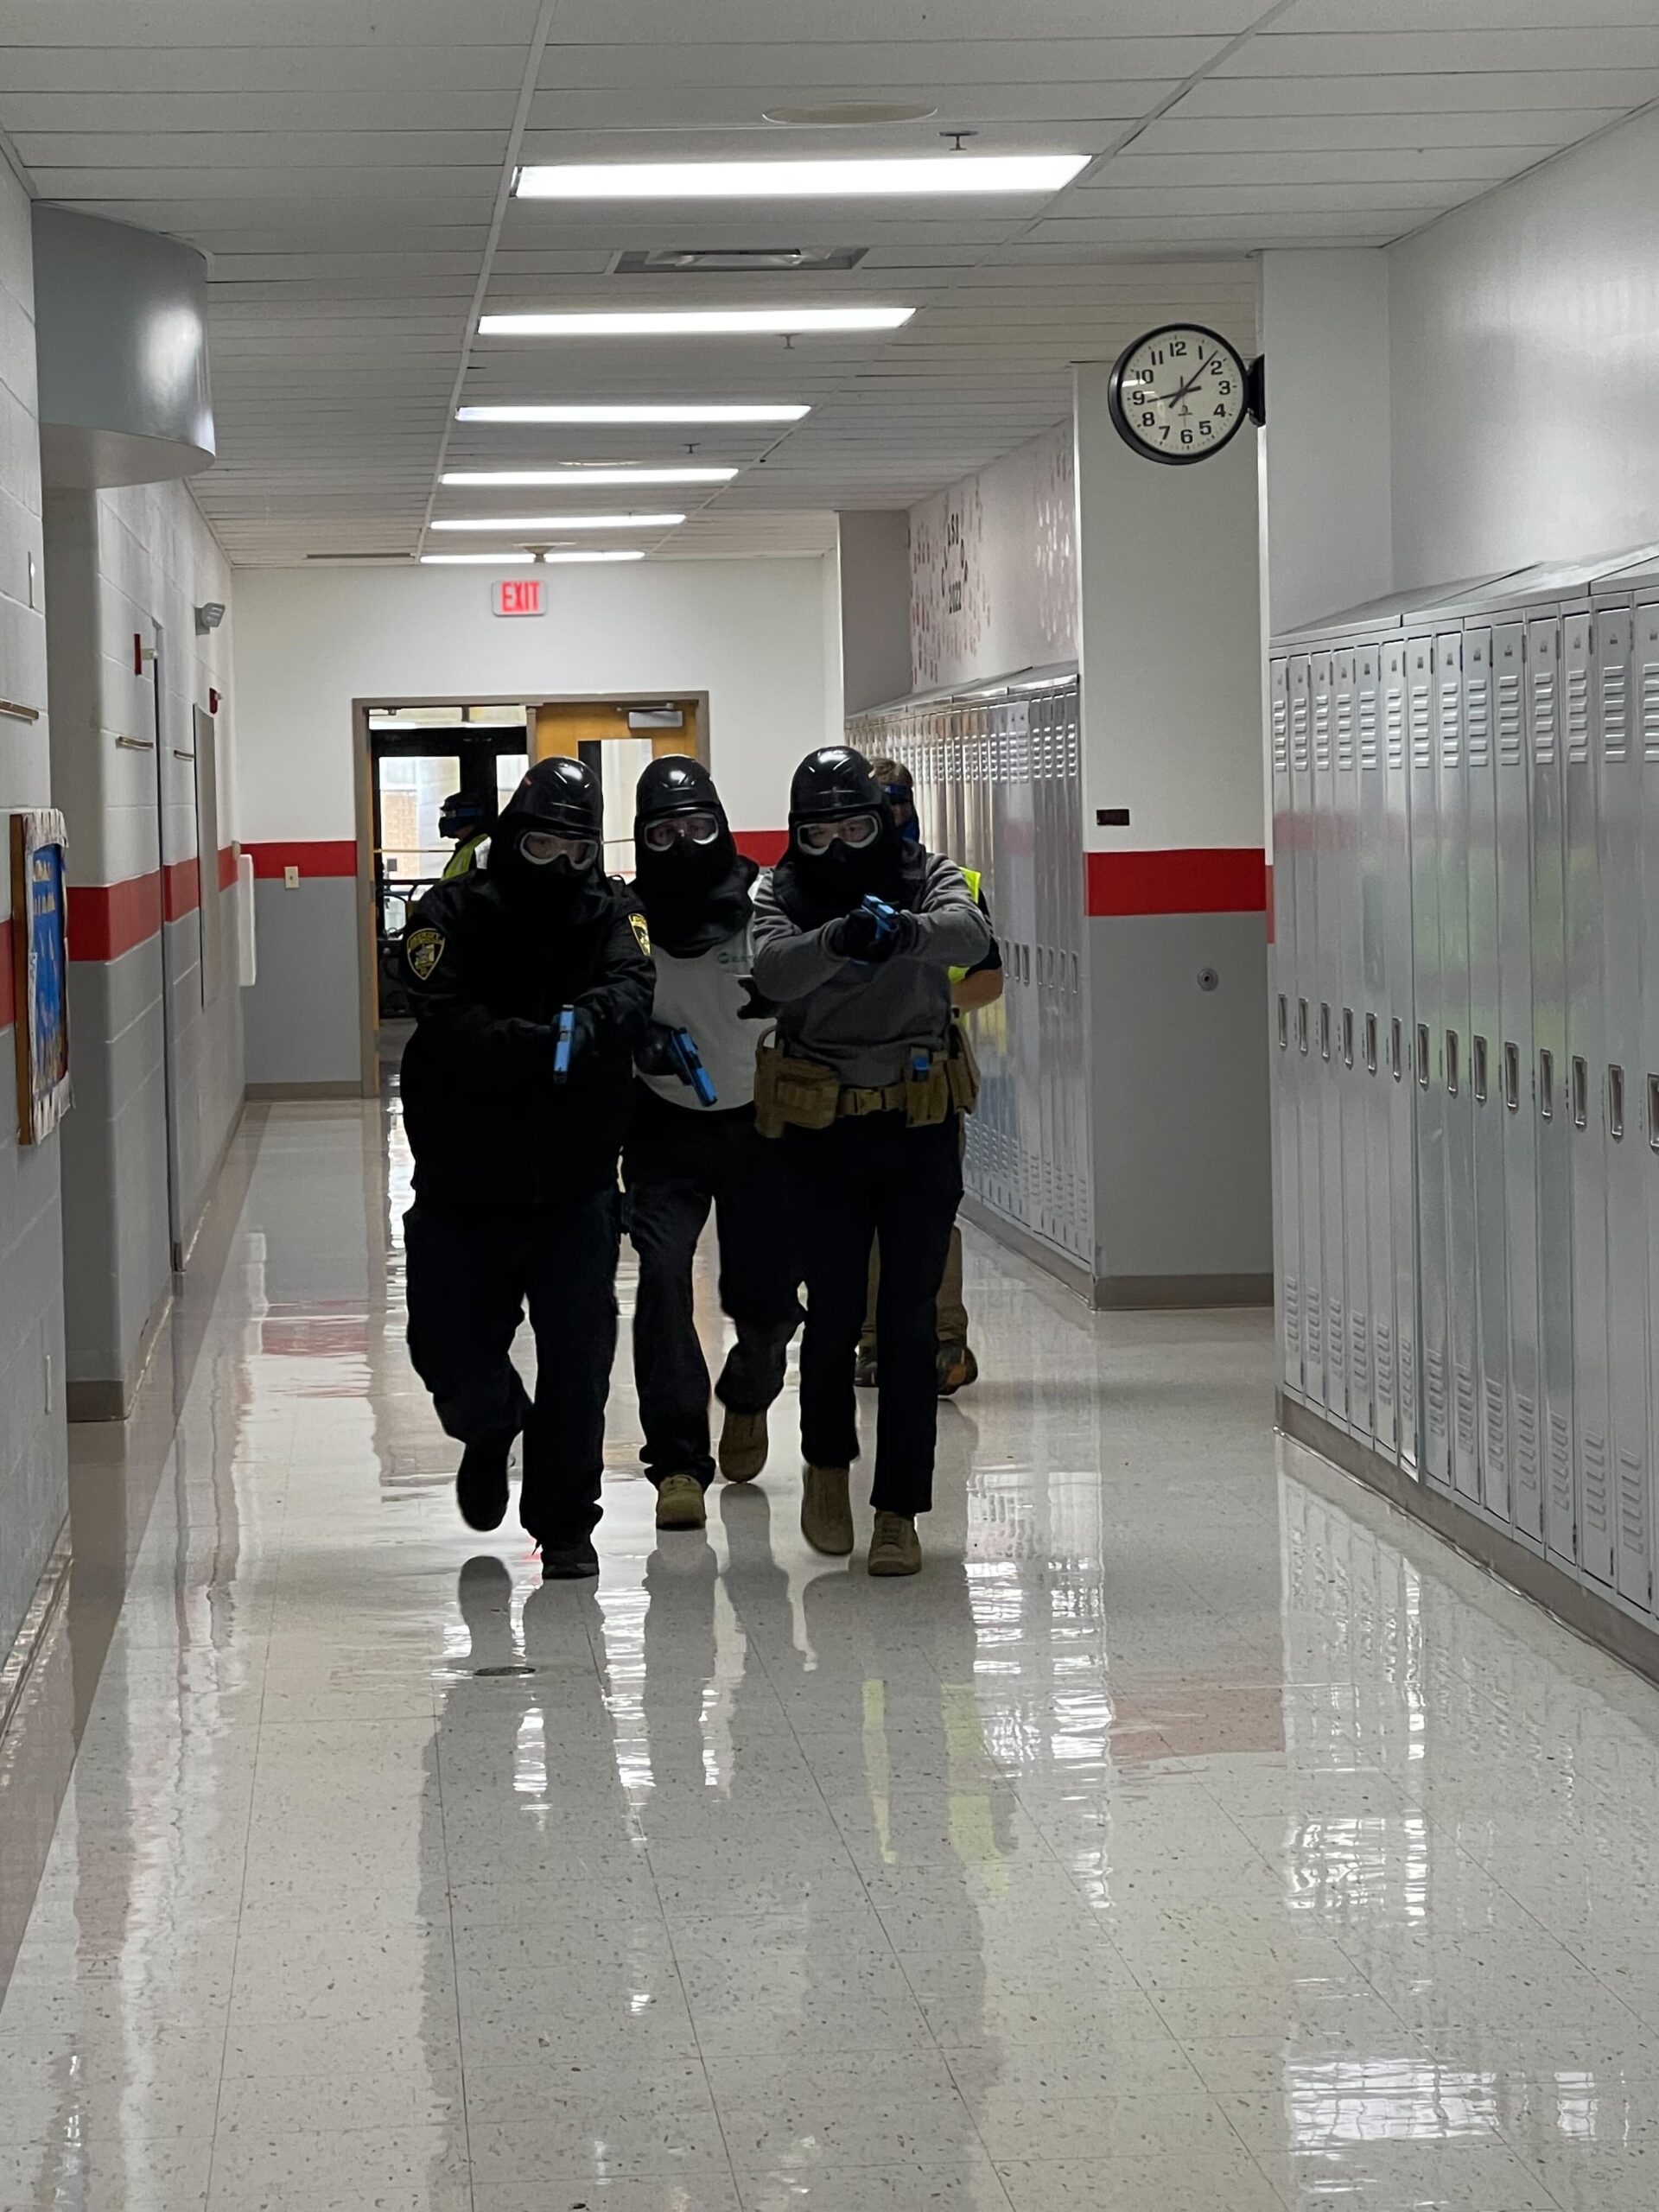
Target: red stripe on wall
column 1268, row 892
column 312, row 856
column 106, row 919
column 183, row 888
column 1207, row 879
column 766, row 846
column 227, row 867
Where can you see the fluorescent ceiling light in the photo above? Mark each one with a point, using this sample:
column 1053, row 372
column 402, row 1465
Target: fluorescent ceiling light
column 689, row 411
column 579, row 475
column 461, row 560
column 695, row 322
column 879, row 177
column 521, row 525
column 593, row 556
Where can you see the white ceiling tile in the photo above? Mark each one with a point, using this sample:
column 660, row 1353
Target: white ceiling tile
column 1528, row 130
column 1466, row 15
column 436, row 108
column 232, row 154
column 244, row 70
column 1496, row 90
column 241, row 23
column 885, row 22
column 1353, row 165
column 1423, row 54
column 858, row 68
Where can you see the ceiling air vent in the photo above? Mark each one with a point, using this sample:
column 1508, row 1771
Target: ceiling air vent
column 360, row 560
column 733, row 260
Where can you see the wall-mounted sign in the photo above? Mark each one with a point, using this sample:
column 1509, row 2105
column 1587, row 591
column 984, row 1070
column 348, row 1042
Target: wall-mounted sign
column 40, row 972
column 518, row 596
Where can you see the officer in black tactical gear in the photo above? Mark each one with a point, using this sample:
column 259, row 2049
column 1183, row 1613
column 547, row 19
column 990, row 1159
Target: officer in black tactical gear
column 854, row 938
column 692, row 1145
column 531, row 981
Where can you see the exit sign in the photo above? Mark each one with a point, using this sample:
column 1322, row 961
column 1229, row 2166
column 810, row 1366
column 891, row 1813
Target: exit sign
column 518, row 596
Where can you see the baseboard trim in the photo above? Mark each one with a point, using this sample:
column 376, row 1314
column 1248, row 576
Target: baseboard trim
column 1123, row 1293
column 1075, row 1276
column 1597, row 1619
column 278, row 1091
column 110, row 1398
column 35, row 1624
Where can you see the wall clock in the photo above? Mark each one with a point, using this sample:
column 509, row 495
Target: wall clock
column 1181, row 393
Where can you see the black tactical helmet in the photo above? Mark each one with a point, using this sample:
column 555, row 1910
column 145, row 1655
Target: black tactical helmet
column 558, row 794
column 676, row 785
column 833, row 782
column 462, row 815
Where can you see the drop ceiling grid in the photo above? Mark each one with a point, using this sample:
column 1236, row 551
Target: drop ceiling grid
column 343, row 179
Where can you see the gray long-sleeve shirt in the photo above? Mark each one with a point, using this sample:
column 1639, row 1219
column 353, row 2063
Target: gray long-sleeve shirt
column 868, row 1023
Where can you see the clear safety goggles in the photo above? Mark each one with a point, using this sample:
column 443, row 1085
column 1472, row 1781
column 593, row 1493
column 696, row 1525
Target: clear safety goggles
column 855, row 830
column 541, row 846
column 700, row 829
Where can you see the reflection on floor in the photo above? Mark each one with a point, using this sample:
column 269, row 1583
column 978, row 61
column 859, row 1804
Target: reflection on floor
column 1193, row 1834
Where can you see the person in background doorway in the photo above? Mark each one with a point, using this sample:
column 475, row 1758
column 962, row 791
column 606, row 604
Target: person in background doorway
column 468, row 822
column 686, row 1154
column 856, row 934
column 531, row 981
column 970, row 987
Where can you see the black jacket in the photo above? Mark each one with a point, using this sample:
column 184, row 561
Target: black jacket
column 489, row 1127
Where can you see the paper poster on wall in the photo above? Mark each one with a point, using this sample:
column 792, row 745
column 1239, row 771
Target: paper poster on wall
column 994, row 568
column 39, row 965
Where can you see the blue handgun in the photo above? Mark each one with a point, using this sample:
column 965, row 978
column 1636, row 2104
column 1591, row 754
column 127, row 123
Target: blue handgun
column 689, row 1065
column 563, row 1043
column 886, row 917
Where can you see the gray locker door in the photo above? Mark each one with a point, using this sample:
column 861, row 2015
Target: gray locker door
column 1645, row 686
column 1486, row 1073
column 1518, row 1076
column 1427, row 1061
column 1304, row 1016
column 1587, row 1061
column 1349, row 1056
column 1373, row 1012
column 1330, row 899
column 1619, row 814
column 1451, row 817
column 1397, row 1048
column 1285, row 1061
column 1553, row 1112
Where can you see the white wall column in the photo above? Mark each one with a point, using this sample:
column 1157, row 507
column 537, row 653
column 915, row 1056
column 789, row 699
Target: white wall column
column 874, row 570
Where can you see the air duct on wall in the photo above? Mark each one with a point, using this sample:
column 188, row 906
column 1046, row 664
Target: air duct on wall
column 121, row 333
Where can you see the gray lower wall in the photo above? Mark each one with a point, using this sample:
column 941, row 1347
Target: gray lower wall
column 1182, row 1129
column 33, row 1455
column 302, row 1016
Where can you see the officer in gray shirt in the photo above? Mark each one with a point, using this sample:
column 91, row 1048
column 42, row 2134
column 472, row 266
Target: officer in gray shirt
column 855, row 935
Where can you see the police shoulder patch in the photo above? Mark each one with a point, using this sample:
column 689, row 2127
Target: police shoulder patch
column 423, row 949
column 641, row 932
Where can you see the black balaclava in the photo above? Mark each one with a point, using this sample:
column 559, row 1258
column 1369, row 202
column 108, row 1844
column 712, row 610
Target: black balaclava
column 565, row 797
column 830, row 784
column 695, row 896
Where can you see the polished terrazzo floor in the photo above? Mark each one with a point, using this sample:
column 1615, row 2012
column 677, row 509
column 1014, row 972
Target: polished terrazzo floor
column 1195, row 1835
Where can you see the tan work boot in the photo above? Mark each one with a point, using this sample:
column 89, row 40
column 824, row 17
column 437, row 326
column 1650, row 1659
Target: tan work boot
column 895, row 1547
column 679, row 1503
column 956, row 1367
column 826, row 1511
column 742, row 1446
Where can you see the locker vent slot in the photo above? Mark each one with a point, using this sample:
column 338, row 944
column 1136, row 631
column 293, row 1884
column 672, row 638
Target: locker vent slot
column 1292, row 1312
column 1434, row 1388
column 1547, row 1085
column 1384, row 1363
column 1299, row 733
column 1578, row 715
column 1526, row 1435
column 1560, row 1470
column 1477, row 706
column 1322, row 732
column 1615, row 711
column 1451, row 1051
column 1543, row 716
column 1477, row 1073
column 1580, row 1093
column 1370, row 1044
column 1650, row 711
column 1284, row 1022
column 1592, row 1454
column 1324, row 1031
column 1347, row 1036
column 1616, row 1103
column 1468, row 1432
column 1510, row 735
column 1422, row 1056
column 1369, row 754
column 1396, row 1048
column 1394, row 721
column 1345, row 729
column 1422, row 734
column 1280, row 738
column 1633, row 1503
column 1450, row 725
column 1512, row 1077
column 1301, row 1025
column 1497, row 1440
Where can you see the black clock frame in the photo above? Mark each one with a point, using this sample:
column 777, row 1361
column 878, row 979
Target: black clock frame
column 1250, row 398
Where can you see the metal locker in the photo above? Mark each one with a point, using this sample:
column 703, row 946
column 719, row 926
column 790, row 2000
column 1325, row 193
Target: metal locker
column 1517, row 1077
column 1587, row 1060
column 1428, row 1061
column 1329, row 896
column 1457, row 1104
column 1485, row 1073
column 1397, row 1046
column 1619, row 815
column 1551, row 1079
column 1304, row 1016
column 1373, row 1012
column 1282, row 1047
column 1644, row 670
column 1348, row 1057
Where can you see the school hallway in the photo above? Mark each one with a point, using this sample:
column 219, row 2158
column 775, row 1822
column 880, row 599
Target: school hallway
column 1194, row 1831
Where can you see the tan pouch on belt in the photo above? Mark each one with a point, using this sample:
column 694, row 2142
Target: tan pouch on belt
column 790, row 1093
column 927, row 1098
column 962, row 1067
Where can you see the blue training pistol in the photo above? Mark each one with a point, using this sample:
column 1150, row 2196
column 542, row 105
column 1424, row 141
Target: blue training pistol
column 886, row 917
column 689, row 1066
column 562, row 1042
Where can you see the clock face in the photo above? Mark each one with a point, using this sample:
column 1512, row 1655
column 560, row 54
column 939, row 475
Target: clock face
column 1177, row 394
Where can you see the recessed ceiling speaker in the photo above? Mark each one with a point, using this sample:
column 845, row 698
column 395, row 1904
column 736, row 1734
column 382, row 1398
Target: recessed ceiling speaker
column 847, row 114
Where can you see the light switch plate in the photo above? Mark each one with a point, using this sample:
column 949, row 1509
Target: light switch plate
column 291, row 877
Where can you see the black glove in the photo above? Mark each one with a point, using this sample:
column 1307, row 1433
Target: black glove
column 854, row 936
column 756, row 1006
column 904, row 936
column 654, row 1053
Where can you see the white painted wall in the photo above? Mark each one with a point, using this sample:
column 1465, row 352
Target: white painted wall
column 994, row 569
column 1525, row 356
column 874, row 637
column 752, row 634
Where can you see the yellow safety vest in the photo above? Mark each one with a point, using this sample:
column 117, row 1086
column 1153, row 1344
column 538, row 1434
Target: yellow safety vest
column 972, row 878
column 465, row 857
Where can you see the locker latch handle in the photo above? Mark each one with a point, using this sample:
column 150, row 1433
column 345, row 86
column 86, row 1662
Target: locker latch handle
column 1616, row 1104
column 1512, row 1078
column 1284, row 1022
column 1347, row 1036
column 1422, row 1056
column 1452, row 1049
column 1396, row 1049
column 1580, row 1093
column 1370, row 1044
column 1478, row 1070
column 1301, row 1025
column 1547, row 1085
column 1324, row 1031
